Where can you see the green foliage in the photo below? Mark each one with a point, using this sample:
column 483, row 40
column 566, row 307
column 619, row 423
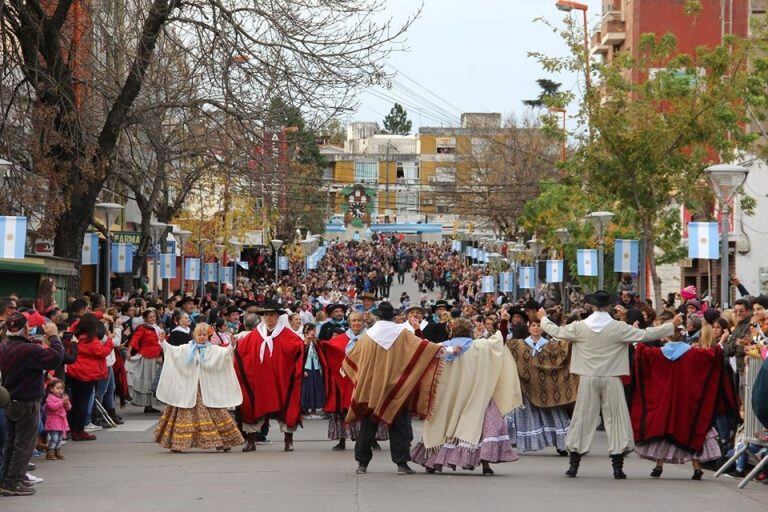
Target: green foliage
column 397, row 122
column 549, row 91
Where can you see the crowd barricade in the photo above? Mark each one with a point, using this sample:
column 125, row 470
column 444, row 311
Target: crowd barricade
column 752, row 426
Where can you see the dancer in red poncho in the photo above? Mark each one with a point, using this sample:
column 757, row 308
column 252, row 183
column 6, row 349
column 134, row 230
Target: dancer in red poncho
column 269, row 364
column 338, row 387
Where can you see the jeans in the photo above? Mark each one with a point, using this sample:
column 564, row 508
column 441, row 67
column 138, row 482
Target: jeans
column 105, row 391
column 20, row 439
column 54, row 439
column 80, row 394
column 400, row 437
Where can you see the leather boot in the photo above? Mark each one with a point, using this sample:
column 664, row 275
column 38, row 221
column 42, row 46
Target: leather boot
column 250, row 443
column 617, row 461
column 288, row 442
column 341, row 446
column 50, row 455
column 117, row 419
column 57, row 453
column 573, row 468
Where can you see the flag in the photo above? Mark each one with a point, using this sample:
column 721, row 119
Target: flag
column 192, row 269
column 586, row 262
column 209, row 272
column 506, row 282
column 122, row 258
column 475, row 253
column 703, row 240
column 168, row 265
column 468, row 251
column 526, row 277
column 282, row 263
column 311, row 262
column 626, row 256
column 89, row 255
column 456, row 245
column 14, row 231
column 244, row 264
column 227, row 274
column 489, row 284
column 554, row 271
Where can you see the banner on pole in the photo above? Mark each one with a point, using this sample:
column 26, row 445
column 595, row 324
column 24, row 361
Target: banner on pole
column 456, row 245
column 122, row 258
column 586, row 262
column 227, row 275
column 555, row 271
column 626, row 256
column 89, row 255
column 210, row 272
column 703, row 241
column 14, row 232
column 506, row 282
column 526, row 277
column 282, row 263
column 168, row 265
column 192, row 269
column 489, row 284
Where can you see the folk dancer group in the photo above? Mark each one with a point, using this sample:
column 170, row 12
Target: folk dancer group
column 482, row 398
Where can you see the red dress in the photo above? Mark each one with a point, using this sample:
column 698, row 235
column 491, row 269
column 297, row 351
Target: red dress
column 146, row 342
column 271, row 387
column 338, row 387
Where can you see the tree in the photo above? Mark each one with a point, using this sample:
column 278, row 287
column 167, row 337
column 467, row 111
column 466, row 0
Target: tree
column 549, row 90
column 656, row 121
column 82, row 71
column 397, row 122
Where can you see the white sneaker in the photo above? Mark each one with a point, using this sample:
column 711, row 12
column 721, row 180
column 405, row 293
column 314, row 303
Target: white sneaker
column 34, row 479
column 92, row 428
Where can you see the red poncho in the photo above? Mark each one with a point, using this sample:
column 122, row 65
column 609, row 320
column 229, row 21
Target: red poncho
column 678, row 400
column 271, row 387
column 338, row 387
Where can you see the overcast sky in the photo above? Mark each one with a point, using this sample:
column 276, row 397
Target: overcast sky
column 473, row 54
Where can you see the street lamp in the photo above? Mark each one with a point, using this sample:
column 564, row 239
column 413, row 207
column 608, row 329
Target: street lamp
column 219, row 257
column 183, row 235
column 157, row 229
column 600, row 221
column 108, row 208
column 276, row 245
column 726, row 180
column 564, row 236
column 568, row 6
column 536, row 246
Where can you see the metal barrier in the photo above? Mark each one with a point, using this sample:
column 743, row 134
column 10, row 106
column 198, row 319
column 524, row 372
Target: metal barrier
column 752, row 426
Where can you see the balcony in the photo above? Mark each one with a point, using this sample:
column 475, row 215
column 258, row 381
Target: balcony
column 610, row 32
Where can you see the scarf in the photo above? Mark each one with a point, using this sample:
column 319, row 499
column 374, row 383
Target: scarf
column 464, row 343
column 179, row 328
column 262, row 329
column 422, row 325
column 194, row 348
column 537, row 346
column 352, row 339
column 674, row 350
column 598, row 321
column 153, row 326
column 384, row 333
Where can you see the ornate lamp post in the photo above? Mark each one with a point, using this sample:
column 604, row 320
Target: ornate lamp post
column 158, row 230
column 109, row 209
column 600, row 221
column 183, row 236
column 564, row 236
column 537, row 247
column 276, row 245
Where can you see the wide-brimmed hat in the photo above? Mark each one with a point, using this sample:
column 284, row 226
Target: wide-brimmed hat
column 416, row 308
column 531, row 304
column 232, row 309
column 600, row 298
column 369, row 296
column 384, row 311
column 336, row 305
column 517, row 310
column 184, row 300
column 441, row 304
column 270, row 307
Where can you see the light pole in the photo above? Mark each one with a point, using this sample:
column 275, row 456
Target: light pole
column 276, row 245
column 219, row 257
column 183, row 235
column 564, row 236
column 536, row 246
column 157, row 229
column 237, row 249
column 600, row 221
column 726, row 180
column 108, row 208
column 568, row 6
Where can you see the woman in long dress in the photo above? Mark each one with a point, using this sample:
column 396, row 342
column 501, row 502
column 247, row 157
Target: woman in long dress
column 199, row 384
column 146, row 358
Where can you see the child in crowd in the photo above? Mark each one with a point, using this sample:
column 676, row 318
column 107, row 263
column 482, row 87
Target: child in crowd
column 56, row 406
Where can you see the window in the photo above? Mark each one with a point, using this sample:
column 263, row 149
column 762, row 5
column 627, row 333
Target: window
column 328, row 174
column 366, row 172
column 408, row 172
column 445, row 175
column 442, row 205
column 259, row 203
column 408, row 201
column 479, row 147
column 446, row 145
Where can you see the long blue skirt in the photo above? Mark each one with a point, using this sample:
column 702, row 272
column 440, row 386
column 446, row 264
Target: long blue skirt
column 313, row 391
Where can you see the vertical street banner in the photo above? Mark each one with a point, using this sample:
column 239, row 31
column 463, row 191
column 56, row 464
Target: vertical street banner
column 311, row 262
column 482, row 256
column 89, row 254
column 468, row 251
column 703, row 240
column 210, row 272
column 456, row 245
column 227, row 274
column 526, row 277
column 282, row 263
column 168, row 265
column 626, row 256
column 489, row 284
column 475, row 253
column 14, row 231
column 586, row 262
column 554, row 271
column 192, row 269
column 122, row 258
column 506, row 282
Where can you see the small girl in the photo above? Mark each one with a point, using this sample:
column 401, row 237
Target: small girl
column 56, row 406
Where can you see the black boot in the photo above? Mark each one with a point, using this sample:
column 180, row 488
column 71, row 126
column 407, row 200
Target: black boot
column 617, row 461
column 117, row 419
column 573, row 468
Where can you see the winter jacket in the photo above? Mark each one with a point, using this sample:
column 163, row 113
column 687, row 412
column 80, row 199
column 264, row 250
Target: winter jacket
column 91, row 362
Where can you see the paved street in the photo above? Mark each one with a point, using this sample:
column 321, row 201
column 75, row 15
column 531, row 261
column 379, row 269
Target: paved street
column 124, row 470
